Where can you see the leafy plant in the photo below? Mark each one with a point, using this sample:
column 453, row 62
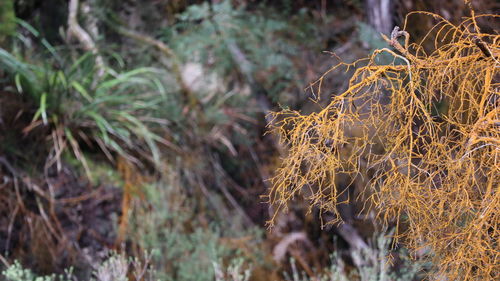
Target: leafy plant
column 16, row 272
column 204, row 31
column 181, row 247
column 117, row 113
column 234, row 272
column 116, row 267
column 378, row 269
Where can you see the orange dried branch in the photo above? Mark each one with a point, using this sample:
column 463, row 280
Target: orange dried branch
column 131, row 181
column 433, row 146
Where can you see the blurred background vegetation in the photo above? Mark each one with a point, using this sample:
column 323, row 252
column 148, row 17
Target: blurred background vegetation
column 133, row 145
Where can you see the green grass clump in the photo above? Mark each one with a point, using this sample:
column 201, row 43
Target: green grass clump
column 114, row 113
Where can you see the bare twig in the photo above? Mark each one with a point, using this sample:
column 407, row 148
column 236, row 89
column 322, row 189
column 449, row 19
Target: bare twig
column 11, row 225
column 248, row 221
column 4, row 261
column 354, row 239
column 395, row 34
column 74, row 29
column 482, row 46
column 281, row 248
column 7, row 165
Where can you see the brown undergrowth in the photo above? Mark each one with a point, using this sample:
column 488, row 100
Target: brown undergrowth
column 52, row 219
column 52, row 223
column 424, row 132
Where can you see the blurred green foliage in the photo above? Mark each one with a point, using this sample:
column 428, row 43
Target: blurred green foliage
column 203, row 31
column 182, row 248
column 7, row 19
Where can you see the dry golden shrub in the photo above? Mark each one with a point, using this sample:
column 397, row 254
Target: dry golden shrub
column 427, row 131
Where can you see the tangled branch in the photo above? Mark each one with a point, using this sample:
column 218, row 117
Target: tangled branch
column 425, row 133
column 74, row 29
